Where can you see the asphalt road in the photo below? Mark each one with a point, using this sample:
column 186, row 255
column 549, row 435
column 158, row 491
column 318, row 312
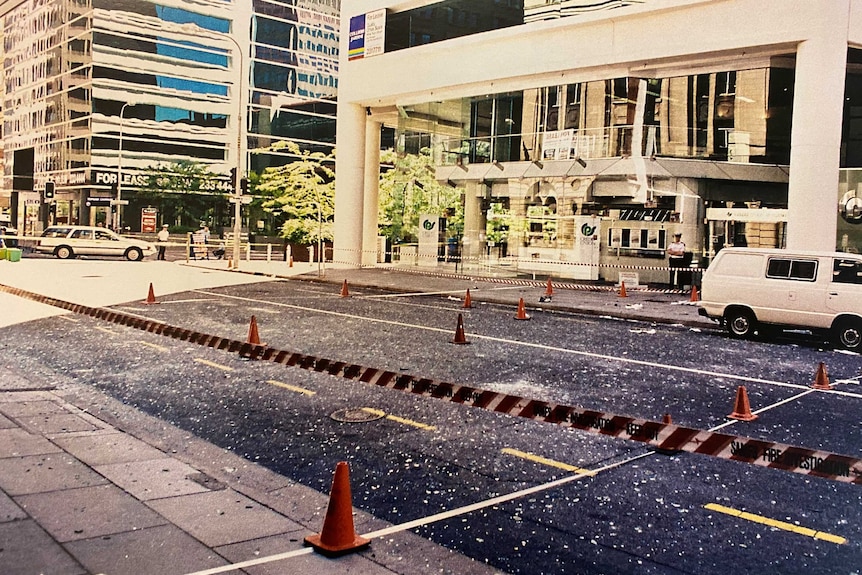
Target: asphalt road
column 640, row 512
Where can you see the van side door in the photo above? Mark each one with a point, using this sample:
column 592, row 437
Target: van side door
column 795, row 293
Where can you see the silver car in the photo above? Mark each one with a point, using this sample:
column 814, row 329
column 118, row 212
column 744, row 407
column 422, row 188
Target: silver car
column 71, row 241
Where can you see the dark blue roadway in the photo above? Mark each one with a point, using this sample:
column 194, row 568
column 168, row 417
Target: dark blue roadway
column 647, row 516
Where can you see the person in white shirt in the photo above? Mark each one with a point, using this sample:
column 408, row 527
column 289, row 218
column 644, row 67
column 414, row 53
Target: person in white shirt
column 676, row 253
column 163, row 236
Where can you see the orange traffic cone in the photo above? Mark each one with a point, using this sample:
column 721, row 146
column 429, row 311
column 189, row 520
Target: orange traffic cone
column 344, row 292
column 623, row 289
column 338, row 535
column 253, row 336
column 549, row 291
column 694, row 295
column 291, row 261
column 821, row 379
column 742, row 410
column 151, row 296
column 460, row 338
column 468, row 302
column 522, row 312
column 230, row 263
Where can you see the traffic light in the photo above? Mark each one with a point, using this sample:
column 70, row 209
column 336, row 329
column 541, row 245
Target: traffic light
column 233, row 183
column 243, row 185
column 49, row 190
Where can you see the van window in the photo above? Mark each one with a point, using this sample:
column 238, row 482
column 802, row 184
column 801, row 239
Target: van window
column 847, row 271
column 791, row 269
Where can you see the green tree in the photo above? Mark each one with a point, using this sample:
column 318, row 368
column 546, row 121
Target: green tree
column 409, row 190
column 185, row 192
column 302, row 192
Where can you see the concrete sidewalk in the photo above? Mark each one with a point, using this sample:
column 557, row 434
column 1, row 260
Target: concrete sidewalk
column 89, row 485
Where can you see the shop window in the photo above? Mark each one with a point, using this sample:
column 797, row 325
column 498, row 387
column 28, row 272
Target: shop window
column 642, row 242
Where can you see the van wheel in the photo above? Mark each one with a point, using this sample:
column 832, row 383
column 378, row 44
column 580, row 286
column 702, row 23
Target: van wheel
column 64, row 252
column 740, row 323
column 848, row 334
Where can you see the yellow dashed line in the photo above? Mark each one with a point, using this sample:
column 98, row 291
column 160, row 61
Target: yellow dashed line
column 154, row 346
column 212, row 364
column 776, row 524
column 397, row 419
column 544, row 461
column 290, row 387
column 106, row 330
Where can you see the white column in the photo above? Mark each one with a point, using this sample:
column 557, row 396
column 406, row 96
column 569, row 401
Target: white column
column 474, row 243
column 372, row 191
column 349, row 184
column 818, row 106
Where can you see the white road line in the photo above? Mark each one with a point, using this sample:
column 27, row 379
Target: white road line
column 498, row 500
column 640, row 362
column 432, row 518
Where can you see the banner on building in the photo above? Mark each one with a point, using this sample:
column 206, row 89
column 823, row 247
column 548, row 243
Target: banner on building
column 367, row 35
column 557, row 144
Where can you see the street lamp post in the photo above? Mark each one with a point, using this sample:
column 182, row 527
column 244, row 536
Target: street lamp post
column 240, row 122
column 116, row 219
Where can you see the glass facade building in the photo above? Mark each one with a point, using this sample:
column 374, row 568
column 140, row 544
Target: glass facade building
column 630, row 119
column 99, row 94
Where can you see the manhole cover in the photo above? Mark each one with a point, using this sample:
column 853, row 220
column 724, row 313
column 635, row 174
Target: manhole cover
column 357, row 414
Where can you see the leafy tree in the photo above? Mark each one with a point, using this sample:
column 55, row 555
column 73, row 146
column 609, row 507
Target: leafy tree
column 303, row 192
column 185, row 192
column 410, row 190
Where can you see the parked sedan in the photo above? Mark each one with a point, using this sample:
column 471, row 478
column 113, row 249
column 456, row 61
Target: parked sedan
column 71, row 241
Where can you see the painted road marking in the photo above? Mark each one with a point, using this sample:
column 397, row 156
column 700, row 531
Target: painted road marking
column 295, row 388
column 430, row 519
column 664, row 436
column 213, row 364
column 783, row 525
column 397, row 419
column 605, row 357
column 68, row 318
column 544, row 461
column 154, row 346
column 106, row 330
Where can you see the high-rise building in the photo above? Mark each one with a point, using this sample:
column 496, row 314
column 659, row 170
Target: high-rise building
column 101, row 94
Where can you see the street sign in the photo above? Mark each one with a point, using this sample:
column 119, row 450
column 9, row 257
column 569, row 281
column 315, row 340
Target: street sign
column 119, row 202
column 149, row 217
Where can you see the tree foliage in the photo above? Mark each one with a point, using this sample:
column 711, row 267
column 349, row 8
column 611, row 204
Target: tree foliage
column 410, row 190
column 183, row 191
column 302, row 192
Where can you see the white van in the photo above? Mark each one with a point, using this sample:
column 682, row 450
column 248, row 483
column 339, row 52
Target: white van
column 752, row 290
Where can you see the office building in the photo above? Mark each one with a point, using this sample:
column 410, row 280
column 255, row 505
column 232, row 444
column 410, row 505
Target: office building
column 101, row 95
column 601, row 128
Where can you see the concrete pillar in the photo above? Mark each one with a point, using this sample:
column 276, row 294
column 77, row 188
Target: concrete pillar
column 370, row 208
column 474, row 221
column 818, row 106
column 349, row 185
